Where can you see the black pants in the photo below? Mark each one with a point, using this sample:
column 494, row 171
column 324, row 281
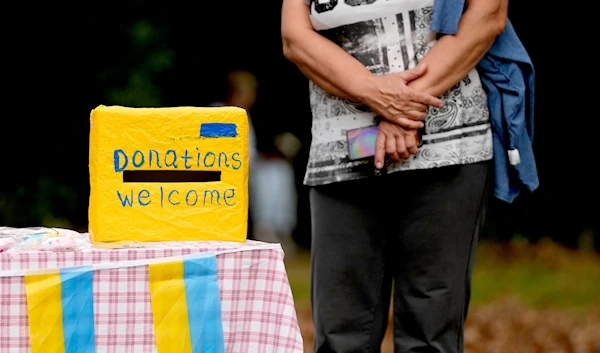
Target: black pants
column 416, row 230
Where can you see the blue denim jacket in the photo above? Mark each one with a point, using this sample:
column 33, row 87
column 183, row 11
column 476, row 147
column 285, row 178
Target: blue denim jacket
column 507, row 74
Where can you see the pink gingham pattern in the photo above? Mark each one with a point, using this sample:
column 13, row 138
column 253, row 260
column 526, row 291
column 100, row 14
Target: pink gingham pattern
column 256, row 301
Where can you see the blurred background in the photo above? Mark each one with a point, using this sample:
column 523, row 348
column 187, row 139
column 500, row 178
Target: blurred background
column 537, row 276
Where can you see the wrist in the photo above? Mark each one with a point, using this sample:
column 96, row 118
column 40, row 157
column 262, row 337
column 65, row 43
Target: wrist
column 364, row 88
column 417, row 84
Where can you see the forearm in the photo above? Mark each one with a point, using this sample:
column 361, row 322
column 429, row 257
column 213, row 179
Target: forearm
column 318, row 58
column 341, row 87
column 453, row 56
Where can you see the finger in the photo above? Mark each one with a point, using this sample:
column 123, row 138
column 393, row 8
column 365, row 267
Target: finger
column 408, row 109
column 379, row 150
column 416, row 115
column 410, row 141
column 401, row 147
column 424, row 98
column 417, row 106
column 407, row 124
column 414, row 73
column 390, row 147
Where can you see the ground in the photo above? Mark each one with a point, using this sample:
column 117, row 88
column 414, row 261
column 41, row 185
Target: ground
column 526, row 298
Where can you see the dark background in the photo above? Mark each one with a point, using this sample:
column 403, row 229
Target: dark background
column 61, row 61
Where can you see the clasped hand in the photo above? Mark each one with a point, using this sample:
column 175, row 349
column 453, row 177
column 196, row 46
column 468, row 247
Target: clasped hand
column 403, row 110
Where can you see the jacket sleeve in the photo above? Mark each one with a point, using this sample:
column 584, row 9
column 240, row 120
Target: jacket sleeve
column 508, row 77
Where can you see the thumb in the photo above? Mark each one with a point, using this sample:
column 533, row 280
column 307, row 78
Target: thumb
column 414, row 73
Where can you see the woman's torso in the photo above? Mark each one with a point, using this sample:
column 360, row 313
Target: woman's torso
column 390, row 36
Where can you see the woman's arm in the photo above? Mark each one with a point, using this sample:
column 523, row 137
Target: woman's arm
column 334, row 70
column 323, row 62
column 453, row 56
column 449, row 61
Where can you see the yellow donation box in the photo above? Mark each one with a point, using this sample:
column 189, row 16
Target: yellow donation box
column 165, row 174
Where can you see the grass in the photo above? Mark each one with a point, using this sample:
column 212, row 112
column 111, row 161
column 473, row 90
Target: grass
column 526, row 298
column 541, row 276
column 298, row 270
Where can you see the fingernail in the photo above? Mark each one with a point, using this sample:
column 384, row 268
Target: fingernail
column 417, row 138
column 379, row 165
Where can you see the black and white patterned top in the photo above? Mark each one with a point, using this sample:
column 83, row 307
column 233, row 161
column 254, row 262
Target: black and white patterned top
column 390, row 36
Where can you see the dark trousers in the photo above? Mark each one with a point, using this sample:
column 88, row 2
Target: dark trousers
column 412, row 231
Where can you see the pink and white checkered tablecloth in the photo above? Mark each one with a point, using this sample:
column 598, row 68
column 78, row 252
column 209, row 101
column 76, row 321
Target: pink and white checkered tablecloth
column 257, row 305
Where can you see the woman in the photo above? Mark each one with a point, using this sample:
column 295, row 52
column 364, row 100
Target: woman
column 411, row 220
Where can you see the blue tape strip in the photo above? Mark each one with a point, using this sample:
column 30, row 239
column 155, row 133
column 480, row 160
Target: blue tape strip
column 218, row 130
column 204, row 304
column 78, row 309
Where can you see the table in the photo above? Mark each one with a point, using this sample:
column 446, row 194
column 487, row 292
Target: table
column 257, row 306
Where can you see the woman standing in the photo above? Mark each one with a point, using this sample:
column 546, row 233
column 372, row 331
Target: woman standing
column 411, row 220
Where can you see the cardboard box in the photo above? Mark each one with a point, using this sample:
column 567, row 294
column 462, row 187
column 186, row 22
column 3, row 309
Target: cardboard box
column 162, row 174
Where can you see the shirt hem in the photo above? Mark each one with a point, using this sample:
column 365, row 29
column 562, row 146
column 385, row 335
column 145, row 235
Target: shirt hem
column 313, row 182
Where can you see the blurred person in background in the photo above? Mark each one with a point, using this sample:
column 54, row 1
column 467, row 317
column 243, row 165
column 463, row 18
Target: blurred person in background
column 412, row 220
column 273, row 193
column 272, row 188
column 241, row 90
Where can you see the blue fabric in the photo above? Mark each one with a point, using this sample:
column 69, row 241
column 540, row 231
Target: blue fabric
column 204, row 303
column 78, row 309
column 507, row 74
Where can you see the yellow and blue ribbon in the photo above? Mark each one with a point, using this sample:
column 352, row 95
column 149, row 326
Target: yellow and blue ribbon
column 60, row 304
column 186, row 305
